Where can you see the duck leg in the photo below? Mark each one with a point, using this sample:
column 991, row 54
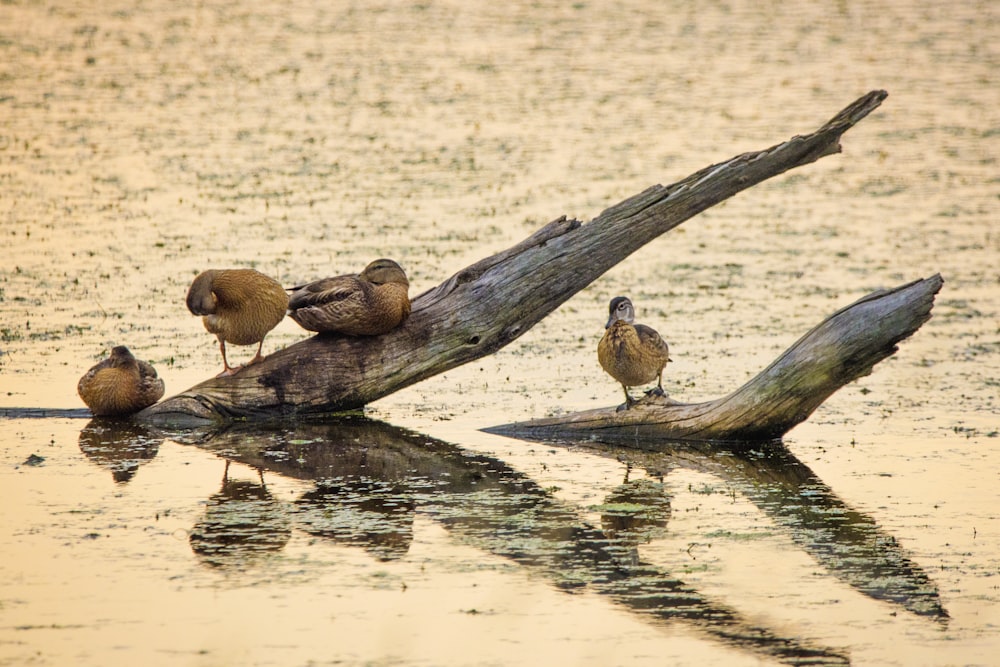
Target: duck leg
column 257, row 357
column 226, row 368
column 658, row 391
column 629, row 401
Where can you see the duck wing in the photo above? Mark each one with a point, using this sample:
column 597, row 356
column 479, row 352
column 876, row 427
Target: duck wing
column 151, row 387
column 328, row 291
column 651, row 340
column 342, row 304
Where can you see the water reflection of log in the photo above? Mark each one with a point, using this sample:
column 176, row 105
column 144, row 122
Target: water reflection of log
column 374, row 514
column 846, row 542
column 242, row 523
column 119, row 446
column 471, row 314
column 486, row 504
column 636, row 512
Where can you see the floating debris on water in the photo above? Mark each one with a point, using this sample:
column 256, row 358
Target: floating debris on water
column 34, row 460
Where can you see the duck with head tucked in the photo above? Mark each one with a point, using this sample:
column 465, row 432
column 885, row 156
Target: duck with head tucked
column 633, row 354
column 369, row 303
column 240, row 306
column 120, row 385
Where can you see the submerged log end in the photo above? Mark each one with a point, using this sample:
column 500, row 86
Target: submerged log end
column 182, row 411
column 841, row 349
column 650, row 418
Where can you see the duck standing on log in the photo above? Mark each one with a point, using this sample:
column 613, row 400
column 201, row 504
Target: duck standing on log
column 240, row 306
column 120, row 385
column 633, row 354
column 369, row 303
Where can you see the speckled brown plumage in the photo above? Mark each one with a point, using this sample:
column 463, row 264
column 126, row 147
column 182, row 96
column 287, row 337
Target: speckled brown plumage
column 240, row 306
column 120, row 385
column 367, row 304
column 633, row 354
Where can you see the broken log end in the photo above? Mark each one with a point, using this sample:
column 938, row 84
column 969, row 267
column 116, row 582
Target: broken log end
column 842, row 348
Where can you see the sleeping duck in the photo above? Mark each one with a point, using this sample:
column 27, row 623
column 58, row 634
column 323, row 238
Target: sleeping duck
column 369, row 303
column 633, row 354
column 120, row 385
column 240, row 306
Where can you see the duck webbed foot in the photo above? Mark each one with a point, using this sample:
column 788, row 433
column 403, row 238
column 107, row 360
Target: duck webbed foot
column 629, row 402
column 230, row 370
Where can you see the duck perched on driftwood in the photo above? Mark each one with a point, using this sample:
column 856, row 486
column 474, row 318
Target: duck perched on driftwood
column 633, row 354
column 501, row 297
column 240, row 306
column 120, row 385
column 369, row 303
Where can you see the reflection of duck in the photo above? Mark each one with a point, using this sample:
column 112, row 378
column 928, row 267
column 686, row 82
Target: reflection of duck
column 119, row 446
column 849, row 544
column 240, row 306
column 637, row 511
column 120, row 385
column 242, row 522
column 486, row 504
column 366, row 304
column 633, row 354
column 377, row 516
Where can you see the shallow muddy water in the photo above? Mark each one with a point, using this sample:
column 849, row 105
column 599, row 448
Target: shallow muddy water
column 141, row 143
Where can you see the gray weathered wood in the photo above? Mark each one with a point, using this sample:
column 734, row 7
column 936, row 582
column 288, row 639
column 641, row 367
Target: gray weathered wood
column 841, row 349
column 489, row 304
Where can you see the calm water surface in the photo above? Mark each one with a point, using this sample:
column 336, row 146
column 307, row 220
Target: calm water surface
column 141, row 143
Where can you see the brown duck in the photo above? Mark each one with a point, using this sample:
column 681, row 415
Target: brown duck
column 120, row 385
column 633, row 354
column 369, row 303
column 240, row 306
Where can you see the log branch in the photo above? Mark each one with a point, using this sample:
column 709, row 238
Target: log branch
column 839, row 350
column 470, row 315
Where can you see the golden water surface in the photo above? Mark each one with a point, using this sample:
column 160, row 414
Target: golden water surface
column 143, row 142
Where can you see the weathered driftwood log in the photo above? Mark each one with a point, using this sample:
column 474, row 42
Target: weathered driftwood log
column 841, row 349
column 470, row 315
